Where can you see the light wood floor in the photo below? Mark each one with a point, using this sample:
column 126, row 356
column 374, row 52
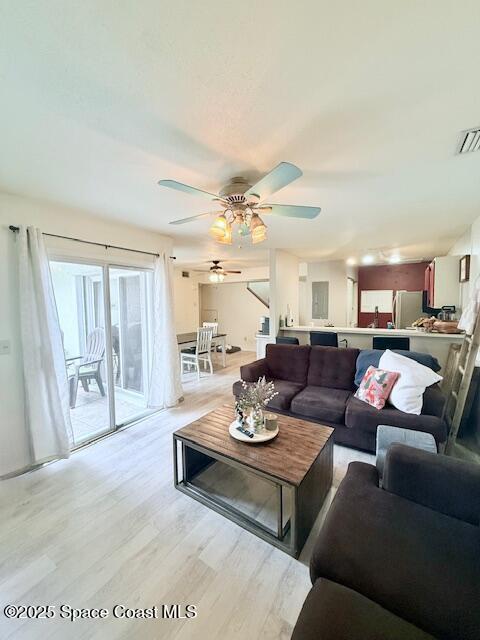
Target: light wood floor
column 107, row 527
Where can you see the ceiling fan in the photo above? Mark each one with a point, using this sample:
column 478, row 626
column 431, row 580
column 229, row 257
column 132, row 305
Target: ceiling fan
column 241, row 204
column 217, row 273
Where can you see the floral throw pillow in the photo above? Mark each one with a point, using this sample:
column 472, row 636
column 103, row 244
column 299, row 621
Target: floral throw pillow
column 376, row 386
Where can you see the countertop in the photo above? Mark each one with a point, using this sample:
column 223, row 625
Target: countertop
column 412, row 333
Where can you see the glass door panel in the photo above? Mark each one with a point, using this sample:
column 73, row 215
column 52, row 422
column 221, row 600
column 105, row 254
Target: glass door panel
column 130, row 309
column 79, row 295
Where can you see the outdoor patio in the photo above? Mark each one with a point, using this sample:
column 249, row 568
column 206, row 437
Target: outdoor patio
column 90, row 417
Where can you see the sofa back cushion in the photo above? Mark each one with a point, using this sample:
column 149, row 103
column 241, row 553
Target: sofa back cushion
column 414, row 378
column 288, row 362
column 332, row 367
column 371, row 357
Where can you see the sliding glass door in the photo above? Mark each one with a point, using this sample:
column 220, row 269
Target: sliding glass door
column 79, row 294
column 105, row 318
column 130, row 311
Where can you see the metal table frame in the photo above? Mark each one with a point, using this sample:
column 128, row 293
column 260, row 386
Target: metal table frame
column 288, row 536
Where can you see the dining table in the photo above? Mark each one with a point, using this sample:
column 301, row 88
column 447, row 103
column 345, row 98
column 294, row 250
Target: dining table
column 187, row 340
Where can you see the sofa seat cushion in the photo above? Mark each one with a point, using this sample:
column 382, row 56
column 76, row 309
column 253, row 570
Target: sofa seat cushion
column 334, row 612
column 288, row 362
column 321, row 403
column 286, row 391
column 332, row 367
column 360, row 415
column 419, row 564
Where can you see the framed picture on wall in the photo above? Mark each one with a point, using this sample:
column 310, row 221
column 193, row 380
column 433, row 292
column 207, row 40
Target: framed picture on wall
column 465, row 269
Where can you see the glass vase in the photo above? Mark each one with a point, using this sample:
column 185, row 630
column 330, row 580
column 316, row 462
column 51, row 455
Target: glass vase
column 256, row 420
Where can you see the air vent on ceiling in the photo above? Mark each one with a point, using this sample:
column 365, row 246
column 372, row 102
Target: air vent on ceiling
column 469, row 141
column 185, row 274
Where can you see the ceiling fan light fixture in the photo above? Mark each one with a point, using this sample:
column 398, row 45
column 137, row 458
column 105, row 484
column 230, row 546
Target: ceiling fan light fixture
column 227, row 235
column 242, row 202
column 216, row 277
column 219, row 227
column 243, row 229
column 258, row 229
column 259, row 236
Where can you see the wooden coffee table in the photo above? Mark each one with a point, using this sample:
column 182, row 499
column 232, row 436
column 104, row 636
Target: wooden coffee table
column 299, row 460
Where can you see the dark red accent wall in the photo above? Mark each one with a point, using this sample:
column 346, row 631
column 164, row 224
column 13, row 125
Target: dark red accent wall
column 399, row 277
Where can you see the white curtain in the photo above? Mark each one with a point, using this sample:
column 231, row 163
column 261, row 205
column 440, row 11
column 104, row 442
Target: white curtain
column 165, row 384
column 46, row 389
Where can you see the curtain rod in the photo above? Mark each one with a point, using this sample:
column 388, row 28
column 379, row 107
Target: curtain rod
column 98, row 244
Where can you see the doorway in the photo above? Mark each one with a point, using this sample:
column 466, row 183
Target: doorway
column 105, row 319
column 352, row 302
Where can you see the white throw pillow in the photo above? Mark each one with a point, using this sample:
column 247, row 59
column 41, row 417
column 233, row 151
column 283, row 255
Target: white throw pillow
column 407, row 392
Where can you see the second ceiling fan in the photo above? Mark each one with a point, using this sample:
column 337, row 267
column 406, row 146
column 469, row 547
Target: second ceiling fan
column 242, row 203
column 217, row 273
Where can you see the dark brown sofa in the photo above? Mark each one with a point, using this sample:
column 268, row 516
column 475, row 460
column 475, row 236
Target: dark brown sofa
column 402, row 561
column 317, row 383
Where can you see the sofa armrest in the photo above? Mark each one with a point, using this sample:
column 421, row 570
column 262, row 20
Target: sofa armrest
column 359, row 485
column 433, row 401
column 333, row 611
column 447, row 485
column 253, row 371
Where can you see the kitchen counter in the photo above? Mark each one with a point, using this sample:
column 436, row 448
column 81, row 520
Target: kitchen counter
column 411, row 333
column 436, row 344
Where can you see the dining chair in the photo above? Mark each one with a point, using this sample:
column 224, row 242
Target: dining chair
column 89, row 367
column 323, row 338
column 286, row 340
column 213, row 326
column 391, row 342
column 202, row 353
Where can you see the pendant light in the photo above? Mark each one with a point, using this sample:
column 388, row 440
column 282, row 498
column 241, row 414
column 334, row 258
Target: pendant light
column 227, row 235
column 219, row 227
column 258, row 229
column 216, row 277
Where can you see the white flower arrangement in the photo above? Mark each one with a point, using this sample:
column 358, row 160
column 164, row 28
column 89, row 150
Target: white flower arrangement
column 256, row 395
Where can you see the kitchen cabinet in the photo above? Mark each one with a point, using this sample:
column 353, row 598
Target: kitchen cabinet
column 441, row 282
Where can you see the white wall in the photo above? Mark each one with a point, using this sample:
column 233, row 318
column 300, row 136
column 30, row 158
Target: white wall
column 188, row 293
column 284, row 289
column 468, row 244
column 335, row 273
column 187, row 304
column 64, row 221
column 238, row 311
column 352, row 296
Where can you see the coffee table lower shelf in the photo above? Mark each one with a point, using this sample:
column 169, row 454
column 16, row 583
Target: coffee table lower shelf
column 306, row 499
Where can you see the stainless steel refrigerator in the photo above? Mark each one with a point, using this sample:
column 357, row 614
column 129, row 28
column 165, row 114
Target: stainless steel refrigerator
column 407, row 307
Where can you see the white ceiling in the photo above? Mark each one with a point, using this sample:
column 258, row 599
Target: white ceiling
column 100, row 99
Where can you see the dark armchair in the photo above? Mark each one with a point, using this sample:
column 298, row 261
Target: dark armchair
column 402, row 561
column 441, row 483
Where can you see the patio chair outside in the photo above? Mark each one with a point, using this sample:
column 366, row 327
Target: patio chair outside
column 88, row 368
